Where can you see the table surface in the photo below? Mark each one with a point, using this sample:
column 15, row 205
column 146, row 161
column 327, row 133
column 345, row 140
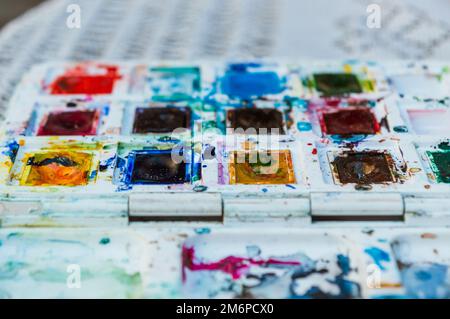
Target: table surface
column 215, row 29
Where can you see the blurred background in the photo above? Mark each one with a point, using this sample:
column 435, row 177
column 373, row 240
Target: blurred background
column 9, row 9
column 217, row 29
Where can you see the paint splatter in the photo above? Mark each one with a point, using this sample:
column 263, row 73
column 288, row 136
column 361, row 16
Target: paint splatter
column 378, row 256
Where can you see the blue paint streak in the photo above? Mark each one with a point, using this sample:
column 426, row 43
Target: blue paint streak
column 378, row 256
column 202, row 231
column 108, row 163
column 348, row 139
column 11, row 149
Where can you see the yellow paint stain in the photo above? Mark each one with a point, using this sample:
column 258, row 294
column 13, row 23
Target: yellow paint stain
column 261, row 167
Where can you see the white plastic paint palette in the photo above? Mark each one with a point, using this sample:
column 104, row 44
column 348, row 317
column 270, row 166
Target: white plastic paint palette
column 71, row 264
column 424, row 261
column 270, row 265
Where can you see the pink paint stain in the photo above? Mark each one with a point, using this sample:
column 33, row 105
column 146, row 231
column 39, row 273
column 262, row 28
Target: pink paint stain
column 235, row 266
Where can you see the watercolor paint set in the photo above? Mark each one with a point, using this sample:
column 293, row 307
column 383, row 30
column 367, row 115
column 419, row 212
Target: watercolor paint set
column 251, row 141
column 227, row 180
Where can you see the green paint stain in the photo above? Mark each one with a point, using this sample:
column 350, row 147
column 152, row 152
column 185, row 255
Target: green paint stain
column 10, row 269
column 104, row 241
column 12, row 235
column 445, row 146
column 440, row 164
column 336, row 84
column 49, row 275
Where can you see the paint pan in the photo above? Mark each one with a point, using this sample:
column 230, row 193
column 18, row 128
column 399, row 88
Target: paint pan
column 160, row 120
column 65, row 163
column 435, row 158
column 66, row 117
column 343, row 120
column 258, row 118
column 336, row 84
column 166, row 83
column 253, row 121
column 249, row 80
column 271, row 167
column 349, row 79
column 421, row 117
column 254, row 80
column 152, row 162
column 168, row 120
column 40, row 263
column 440, row 163
column 70, row 123
column 424, row 261
column 257, row 165
column 364, row 168
column 269, row 265
column 156, row 167
column 376, row 164
column 85, row 79
column 56, row 168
